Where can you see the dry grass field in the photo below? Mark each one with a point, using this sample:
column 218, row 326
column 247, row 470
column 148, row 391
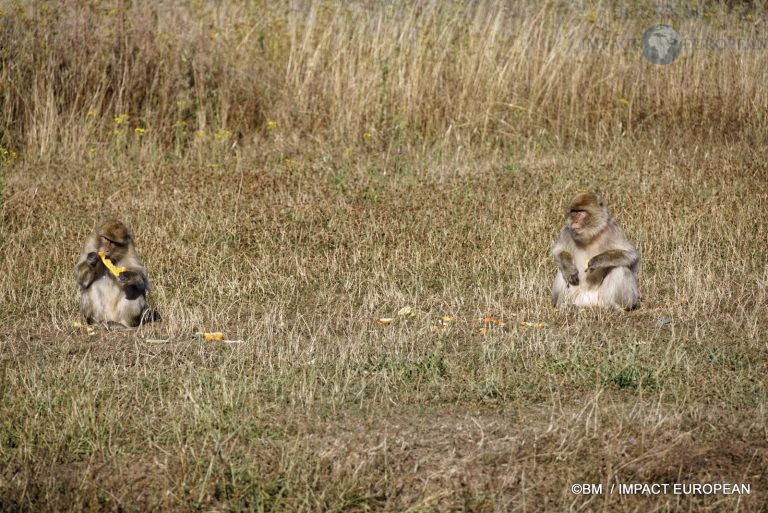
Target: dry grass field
column 295, row 171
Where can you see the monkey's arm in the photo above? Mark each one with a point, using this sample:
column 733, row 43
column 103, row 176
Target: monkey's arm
column 567, row 268
column 614, row 258
column 87, row 269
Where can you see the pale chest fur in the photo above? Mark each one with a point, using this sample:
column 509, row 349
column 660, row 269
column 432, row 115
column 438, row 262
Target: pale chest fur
column 580, row 259
column 104, row 295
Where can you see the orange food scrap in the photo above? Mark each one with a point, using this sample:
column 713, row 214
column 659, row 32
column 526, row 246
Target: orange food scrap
column 488, row 319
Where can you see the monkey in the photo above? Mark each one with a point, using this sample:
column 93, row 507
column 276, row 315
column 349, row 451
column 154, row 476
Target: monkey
column 597, row 263
column 107, row 299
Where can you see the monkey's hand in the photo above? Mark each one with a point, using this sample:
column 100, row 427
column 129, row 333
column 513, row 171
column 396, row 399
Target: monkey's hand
column 128, row 277
column 92, row 259
column 567, row 268
column 571, row 275
column 133, row 278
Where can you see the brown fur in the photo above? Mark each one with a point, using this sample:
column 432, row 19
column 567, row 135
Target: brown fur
column 105, row 298
column 591, row 234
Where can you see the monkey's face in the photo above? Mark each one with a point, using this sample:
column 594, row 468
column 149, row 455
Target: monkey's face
column 114, row 240
column 586, row 214
column 578, row 220
column 113, row 249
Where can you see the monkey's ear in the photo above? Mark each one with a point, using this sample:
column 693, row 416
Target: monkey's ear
column 600, row 200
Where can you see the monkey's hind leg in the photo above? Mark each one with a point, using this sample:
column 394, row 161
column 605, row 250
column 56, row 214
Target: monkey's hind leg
column 559, row 290
column 619, row 289
column 150, row 314
column 130, row 311
column 564, row 295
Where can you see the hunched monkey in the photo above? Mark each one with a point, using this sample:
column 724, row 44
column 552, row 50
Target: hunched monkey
column 597, row 263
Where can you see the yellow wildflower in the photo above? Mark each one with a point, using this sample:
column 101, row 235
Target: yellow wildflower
column 222, row 135
column 7, row 155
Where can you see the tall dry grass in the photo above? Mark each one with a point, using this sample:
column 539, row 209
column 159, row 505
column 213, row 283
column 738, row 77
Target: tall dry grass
column 295, row 171
column 397, row 72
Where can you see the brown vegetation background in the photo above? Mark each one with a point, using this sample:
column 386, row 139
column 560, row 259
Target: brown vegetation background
column 295, row 171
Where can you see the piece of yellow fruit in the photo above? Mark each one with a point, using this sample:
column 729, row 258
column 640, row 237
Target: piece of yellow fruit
column 112, row 268
column 209, row 336
column 88, row 329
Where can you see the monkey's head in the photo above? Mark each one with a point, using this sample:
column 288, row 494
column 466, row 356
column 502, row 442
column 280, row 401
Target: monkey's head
column 587, row 216
column 114, row 239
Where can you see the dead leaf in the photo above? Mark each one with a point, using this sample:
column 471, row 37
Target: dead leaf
column 406, row 311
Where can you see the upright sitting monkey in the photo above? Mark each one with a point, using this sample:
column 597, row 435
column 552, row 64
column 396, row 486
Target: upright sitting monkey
column 106, row 298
